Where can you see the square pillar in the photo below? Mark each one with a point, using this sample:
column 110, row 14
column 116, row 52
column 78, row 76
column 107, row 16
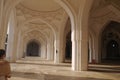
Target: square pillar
column 80, row 55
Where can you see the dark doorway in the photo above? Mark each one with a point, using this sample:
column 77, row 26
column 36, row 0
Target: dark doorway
column 68, row 50
column 33, row 49
column 111, row 43
column 112, row 50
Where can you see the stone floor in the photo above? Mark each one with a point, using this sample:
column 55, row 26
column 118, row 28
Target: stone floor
column 30, row 71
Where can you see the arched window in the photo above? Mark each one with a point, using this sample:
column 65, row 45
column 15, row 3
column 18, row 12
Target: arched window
column 33, row 49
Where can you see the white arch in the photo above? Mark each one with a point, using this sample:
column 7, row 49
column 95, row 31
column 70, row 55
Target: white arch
column 42, row 41
column 33, row 30
column 107, row 21
column 90, row 47
column 35, row 40
column 84, row 12
column 43, row 38
column 69, row 9
column 63, row 3
column 42, row 20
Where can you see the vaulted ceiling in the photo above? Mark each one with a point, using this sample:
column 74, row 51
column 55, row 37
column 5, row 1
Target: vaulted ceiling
column 102, row 3
column 41, row 5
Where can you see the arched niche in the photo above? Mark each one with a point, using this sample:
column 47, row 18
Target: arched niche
column 33, row 49
column 110, row 42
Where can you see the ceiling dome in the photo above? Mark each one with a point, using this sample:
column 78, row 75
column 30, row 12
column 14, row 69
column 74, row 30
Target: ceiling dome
column 41, row 5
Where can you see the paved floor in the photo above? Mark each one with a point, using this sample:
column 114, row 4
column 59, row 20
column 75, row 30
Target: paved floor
column 30, row 71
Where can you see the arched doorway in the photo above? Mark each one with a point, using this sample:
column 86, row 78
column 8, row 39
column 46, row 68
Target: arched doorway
column 33, row 49
column 111, row 43
column 68, row 49
column 67, row 42
column 112, row 50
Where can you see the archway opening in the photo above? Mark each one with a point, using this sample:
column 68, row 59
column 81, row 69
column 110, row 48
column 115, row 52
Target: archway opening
column 33, row 49
column 106, row 47
column 112, row 50
column 111, row 43
column 68, row 42
column 68, row 49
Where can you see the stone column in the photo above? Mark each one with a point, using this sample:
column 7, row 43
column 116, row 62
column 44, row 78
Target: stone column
column 80, row 47
column 10, row 47
column 19, row 42
column 97, row 50
column 58, row 54
column 48, row 50
column 90, row 50
column 93, row 51
column 1, row 11
column 1, row 23
column 56, row 51
column 44, row 51
column 83, row 55
column 93, row 59
column 52, row 49
column 79, row 55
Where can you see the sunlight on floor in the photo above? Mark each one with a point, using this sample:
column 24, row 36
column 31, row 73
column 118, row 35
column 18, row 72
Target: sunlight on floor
column 50, row 72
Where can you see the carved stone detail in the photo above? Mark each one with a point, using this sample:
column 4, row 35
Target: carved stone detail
column 53, row 17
